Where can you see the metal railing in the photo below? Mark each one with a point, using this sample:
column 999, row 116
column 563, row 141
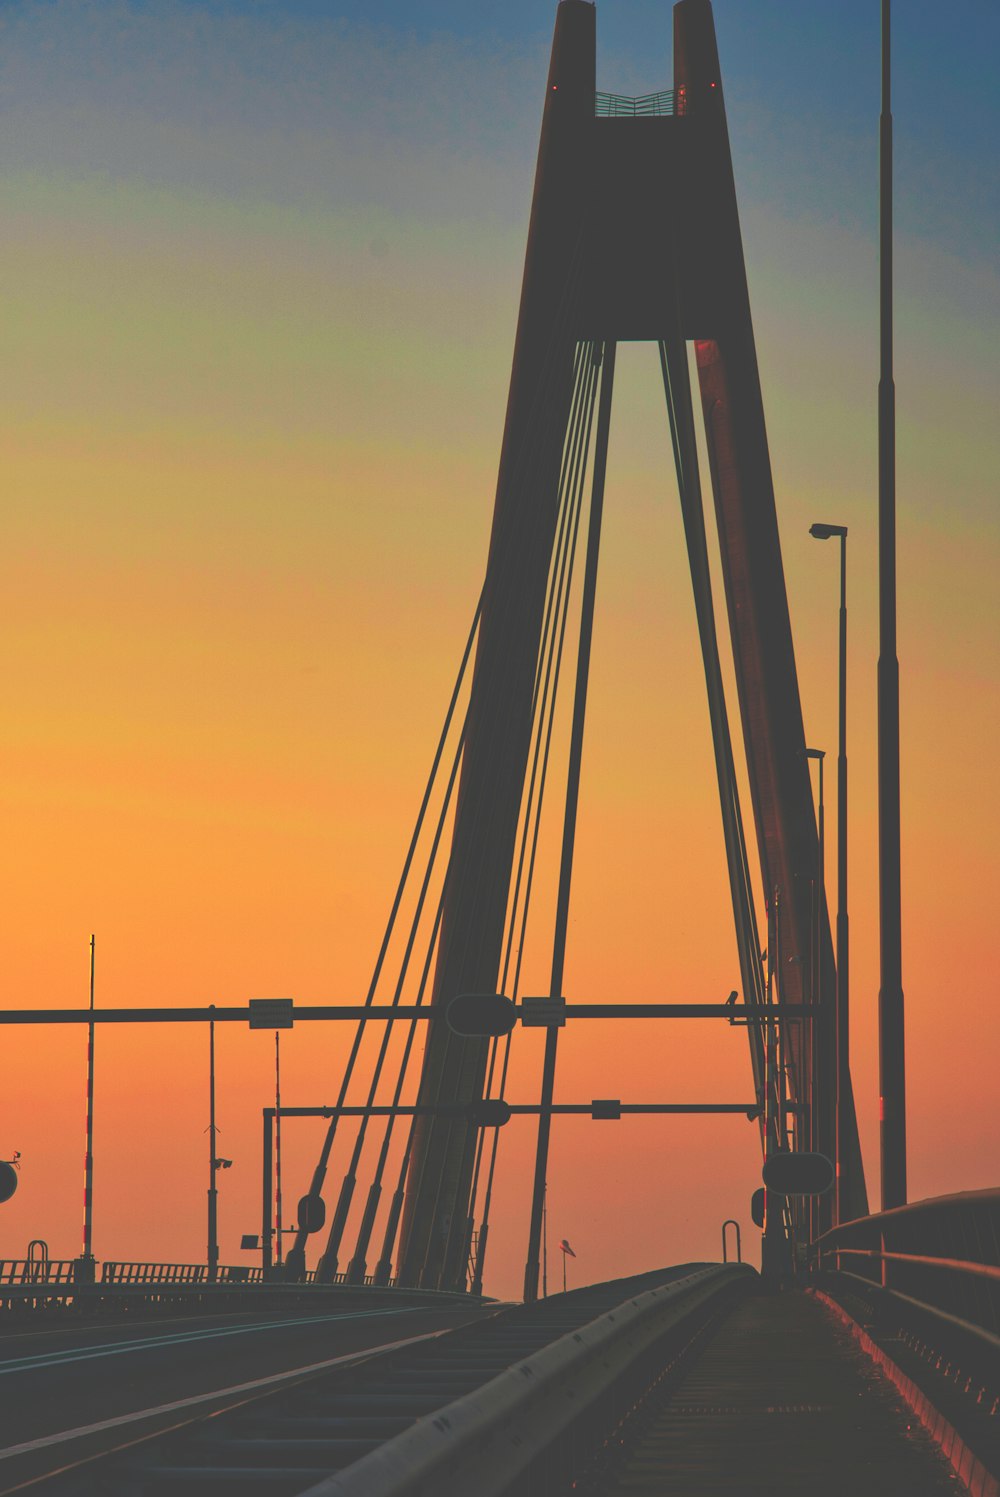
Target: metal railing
column 153, row 1273
column 935, row 1266
column 47, row 1272
column 608, row 106
column 36, row 1270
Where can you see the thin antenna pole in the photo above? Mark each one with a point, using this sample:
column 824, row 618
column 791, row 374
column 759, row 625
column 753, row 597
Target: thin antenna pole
column 277, row 1141
column 88, row 1158
column 892, row 1073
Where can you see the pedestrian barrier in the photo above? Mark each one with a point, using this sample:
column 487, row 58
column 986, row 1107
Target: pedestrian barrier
column 933, row 1267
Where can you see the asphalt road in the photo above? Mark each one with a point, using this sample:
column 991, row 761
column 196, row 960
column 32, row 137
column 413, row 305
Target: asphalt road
column 60, row 1379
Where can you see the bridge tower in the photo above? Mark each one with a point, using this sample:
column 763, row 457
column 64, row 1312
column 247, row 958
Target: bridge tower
column 634, row 235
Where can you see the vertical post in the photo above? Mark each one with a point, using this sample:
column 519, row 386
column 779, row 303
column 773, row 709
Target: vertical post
column 545, row 1240
column 499, row 717
column 277, row 1143
column 822, row 1028
column 267, row 1165
column 213, row 1193
column 774, row 1249
column 826, row 1019
column 87, row 1262
column 892, row 1072
column 565, row 1256
column 569, row 818
column 814, row 1044
column 843, row 942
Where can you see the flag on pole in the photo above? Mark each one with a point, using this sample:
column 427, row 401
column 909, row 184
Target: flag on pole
column 564, row 1247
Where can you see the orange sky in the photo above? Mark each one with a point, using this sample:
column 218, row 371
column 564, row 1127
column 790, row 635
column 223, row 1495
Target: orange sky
column 249, row 446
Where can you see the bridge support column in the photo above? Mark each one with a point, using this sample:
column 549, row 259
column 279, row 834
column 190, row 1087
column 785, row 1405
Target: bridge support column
column 498, row 725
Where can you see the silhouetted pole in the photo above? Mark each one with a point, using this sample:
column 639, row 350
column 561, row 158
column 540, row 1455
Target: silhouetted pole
column 545, row 1241
column 843, row 941
column 88, row 1159
column 892, row 1069
column 266, row 1214
column 823, row 533
column 821, row 1027
column 213, row 1193
column 277, row 1142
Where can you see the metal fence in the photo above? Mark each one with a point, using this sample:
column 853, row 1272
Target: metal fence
column 55, row 1271
column 37, row 1270
column 176, row 1273
column 617, row 105
column 935, row 1267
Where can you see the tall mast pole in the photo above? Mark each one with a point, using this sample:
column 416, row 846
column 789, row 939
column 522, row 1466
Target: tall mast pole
column 213, row 1192
column 277, row 1145
column 892, row 1073
column 88, row 1161
column 842, row 1027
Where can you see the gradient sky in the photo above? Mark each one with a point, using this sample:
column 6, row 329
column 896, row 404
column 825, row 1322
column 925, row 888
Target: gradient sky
column 260, row 270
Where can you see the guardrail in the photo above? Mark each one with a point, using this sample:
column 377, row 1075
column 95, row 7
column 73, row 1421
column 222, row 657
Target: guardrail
column 36, row 1270
column 618, row 105
column 935, row 1265
column 528, row 1430
column 196, row 1273
column 177, row 1273
column 66, row 1271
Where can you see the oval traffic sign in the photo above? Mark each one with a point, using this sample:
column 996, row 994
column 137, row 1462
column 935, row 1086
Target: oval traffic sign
column 481, row 1015
column 8, row 1180
column 312, row 1213
column 798, row 1174
column 491, row 1112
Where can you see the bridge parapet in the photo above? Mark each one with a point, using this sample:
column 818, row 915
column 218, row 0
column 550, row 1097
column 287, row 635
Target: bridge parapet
column 931, row 1270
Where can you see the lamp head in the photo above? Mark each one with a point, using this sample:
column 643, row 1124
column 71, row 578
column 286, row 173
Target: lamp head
column 824, row 532
column 815, row 753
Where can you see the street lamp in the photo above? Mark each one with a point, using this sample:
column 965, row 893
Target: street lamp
column 824, row 533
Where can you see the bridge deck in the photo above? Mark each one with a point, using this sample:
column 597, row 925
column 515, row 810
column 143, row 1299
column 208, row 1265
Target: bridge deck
column 783, row 1401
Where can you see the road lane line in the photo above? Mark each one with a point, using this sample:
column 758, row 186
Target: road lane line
column 118, row 1348
column 122, row 1420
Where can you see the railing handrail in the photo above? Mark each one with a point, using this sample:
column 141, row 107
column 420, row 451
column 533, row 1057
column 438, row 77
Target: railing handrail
column 933, row 1268
column 956, row 1265
column 621, row 106
column 990, row 1196
column 29, row 1270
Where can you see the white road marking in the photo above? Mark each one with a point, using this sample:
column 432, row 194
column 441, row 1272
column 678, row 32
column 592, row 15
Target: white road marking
column 221, row 1393
column 118, row 1348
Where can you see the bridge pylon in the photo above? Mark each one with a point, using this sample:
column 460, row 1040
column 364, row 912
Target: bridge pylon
column 634, row 236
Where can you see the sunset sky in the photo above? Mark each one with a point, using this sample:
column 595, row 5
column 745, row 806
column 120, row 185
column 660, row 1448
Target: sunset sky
column 260, row 269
